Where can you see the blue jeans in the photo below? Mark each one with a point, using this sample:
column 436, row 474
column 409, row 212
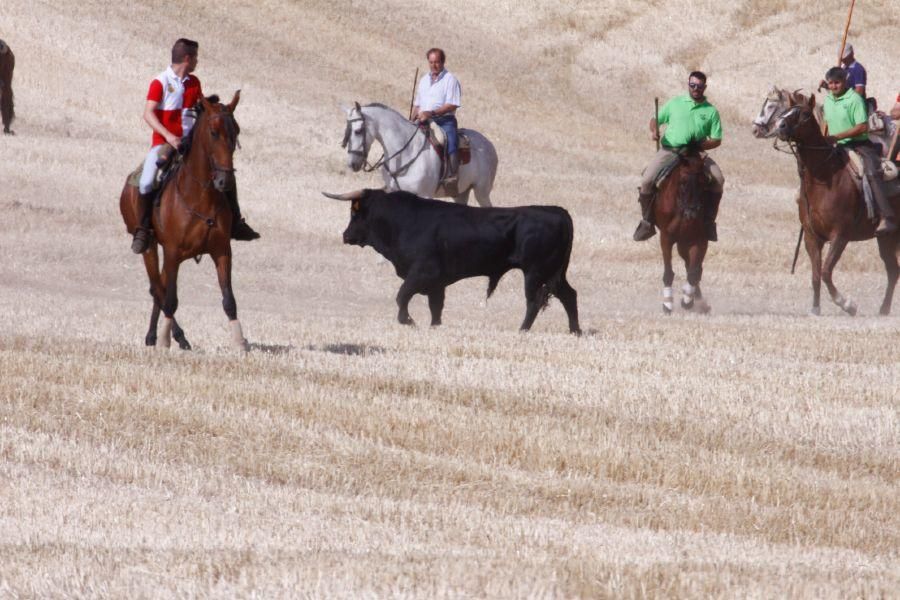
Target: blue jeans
column 448, row 124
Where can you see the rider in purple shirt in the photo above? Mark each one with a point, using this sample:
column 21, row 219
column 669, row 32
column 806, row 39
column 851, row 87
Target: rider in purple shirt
column 856, row 73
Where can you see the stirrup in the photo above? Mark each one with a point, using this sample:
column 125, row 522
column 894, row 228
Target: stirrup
column 242, row 232
column 645, row 230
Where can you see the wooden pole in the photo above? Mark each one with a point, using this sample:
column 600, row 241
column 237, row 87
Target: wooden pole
column 846, row 30
column 656, row 120
column 413, row 98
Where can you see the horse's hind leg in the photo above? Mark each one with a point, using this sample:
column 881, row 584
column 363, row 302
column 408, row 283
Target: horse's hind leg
column 463, row 198
column 157, row 292
column 665, row 243
column 814, row 250
column 483, row 196
column 887, row 247
column 834, row 255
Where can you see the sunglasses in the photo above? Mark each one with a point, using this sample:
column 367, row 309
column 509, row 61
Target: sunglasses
column 697, row 86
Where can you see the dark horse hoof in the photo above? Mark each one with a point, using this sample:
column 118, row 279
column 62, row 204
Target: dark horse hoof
column 150, row 340
column 182, row 341
column 687, row 305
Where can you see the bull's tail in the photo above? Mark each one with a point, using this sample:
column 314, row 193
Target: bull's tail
column 548, row 290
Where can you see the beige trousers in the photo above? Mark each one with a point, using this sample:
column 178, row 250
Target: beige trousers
column 666, row 157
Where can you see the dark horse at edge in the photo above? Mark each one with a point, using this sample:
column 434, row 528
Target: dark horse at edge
column 7, row 109
column 192, row 218
column 678, row 210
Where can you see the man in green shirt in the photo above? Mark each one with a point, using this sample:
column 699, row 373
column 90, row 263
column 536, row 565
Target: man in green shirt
column 848, row 127
column 690, row 121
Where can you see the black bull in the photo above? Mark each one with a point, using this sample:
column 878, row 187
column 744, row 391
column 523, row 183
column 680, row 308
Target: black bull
column 433, row 244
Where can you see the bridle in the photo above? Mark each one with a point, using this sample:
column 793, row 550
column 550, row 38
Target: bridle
column 381, row 162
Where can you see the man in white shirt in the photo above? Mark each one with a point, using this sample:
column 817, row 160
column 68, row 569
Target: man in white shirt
column 437, row 98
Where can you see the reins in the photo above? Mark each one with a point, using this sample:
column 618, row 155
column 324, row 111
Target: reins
column 383, row 161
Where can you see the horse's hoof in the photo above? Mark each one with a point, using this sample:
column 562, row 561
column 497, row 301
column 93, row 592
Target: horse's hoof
column 851, row 309
column 815, row 311
column 884, row 311
column 183, row 343
column 150, row 340
column 667, row 308
column 687, row 304
column 703, row 308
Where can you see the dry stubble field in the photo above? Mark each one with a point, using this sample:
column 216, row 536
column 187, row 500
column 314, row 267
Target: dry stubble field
column 750, row 453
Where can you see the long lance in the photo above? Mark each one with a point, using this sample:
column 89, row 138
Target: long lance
column 846, row 30
column 413, row 97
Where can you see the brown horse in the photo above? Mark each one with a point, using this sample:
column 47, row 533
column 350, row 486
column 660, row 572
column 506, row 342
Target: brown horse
column 678, row 210
column 831, row 205
column 192, row 218
column 7, row 64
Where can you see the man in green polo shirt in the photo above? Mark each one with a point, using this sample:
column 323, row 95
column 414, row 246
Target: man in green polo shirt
column 848, row 126
column 690, row 121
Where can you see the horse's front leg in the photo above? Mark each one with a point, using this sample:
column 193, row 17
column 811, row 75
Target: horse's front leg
column 693, row 263
column 814, row 251
column 887, row 248
column 665, row 244
column 834, row 255
column 171, row 262
column 223, row 272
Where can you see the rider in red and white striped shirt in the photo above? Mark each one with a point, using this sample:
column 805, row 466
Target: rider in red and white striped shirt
column 169, row 111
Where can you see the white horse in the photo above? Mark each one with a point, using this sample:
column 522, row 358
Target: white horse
column 410, row 163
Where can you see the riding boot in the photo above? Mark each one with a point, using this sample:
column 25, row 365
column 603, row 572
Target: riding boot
column 645, row 229
column 451, row 181
column 239, row 229
column 709, row 216
column 144, row 230
column 888, row 223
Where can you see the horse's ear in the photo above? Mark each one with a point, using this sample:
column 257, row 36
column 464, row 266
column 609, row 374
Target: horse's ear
column 356, row 105
column 205, row 104
column 812, row 101
column 234, row 101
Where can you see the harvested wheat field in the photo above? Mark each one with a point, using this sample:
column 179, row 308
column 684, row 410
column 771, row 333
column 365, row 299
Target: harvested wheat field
column 751, row 452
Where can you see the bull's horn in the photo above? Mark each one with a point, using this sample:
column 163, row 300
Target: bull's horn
column 346, row 197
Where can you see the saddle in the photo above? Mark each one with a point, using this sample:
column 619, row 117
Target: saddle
column 164, row 166
column 438, row 140
column 889, row 183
